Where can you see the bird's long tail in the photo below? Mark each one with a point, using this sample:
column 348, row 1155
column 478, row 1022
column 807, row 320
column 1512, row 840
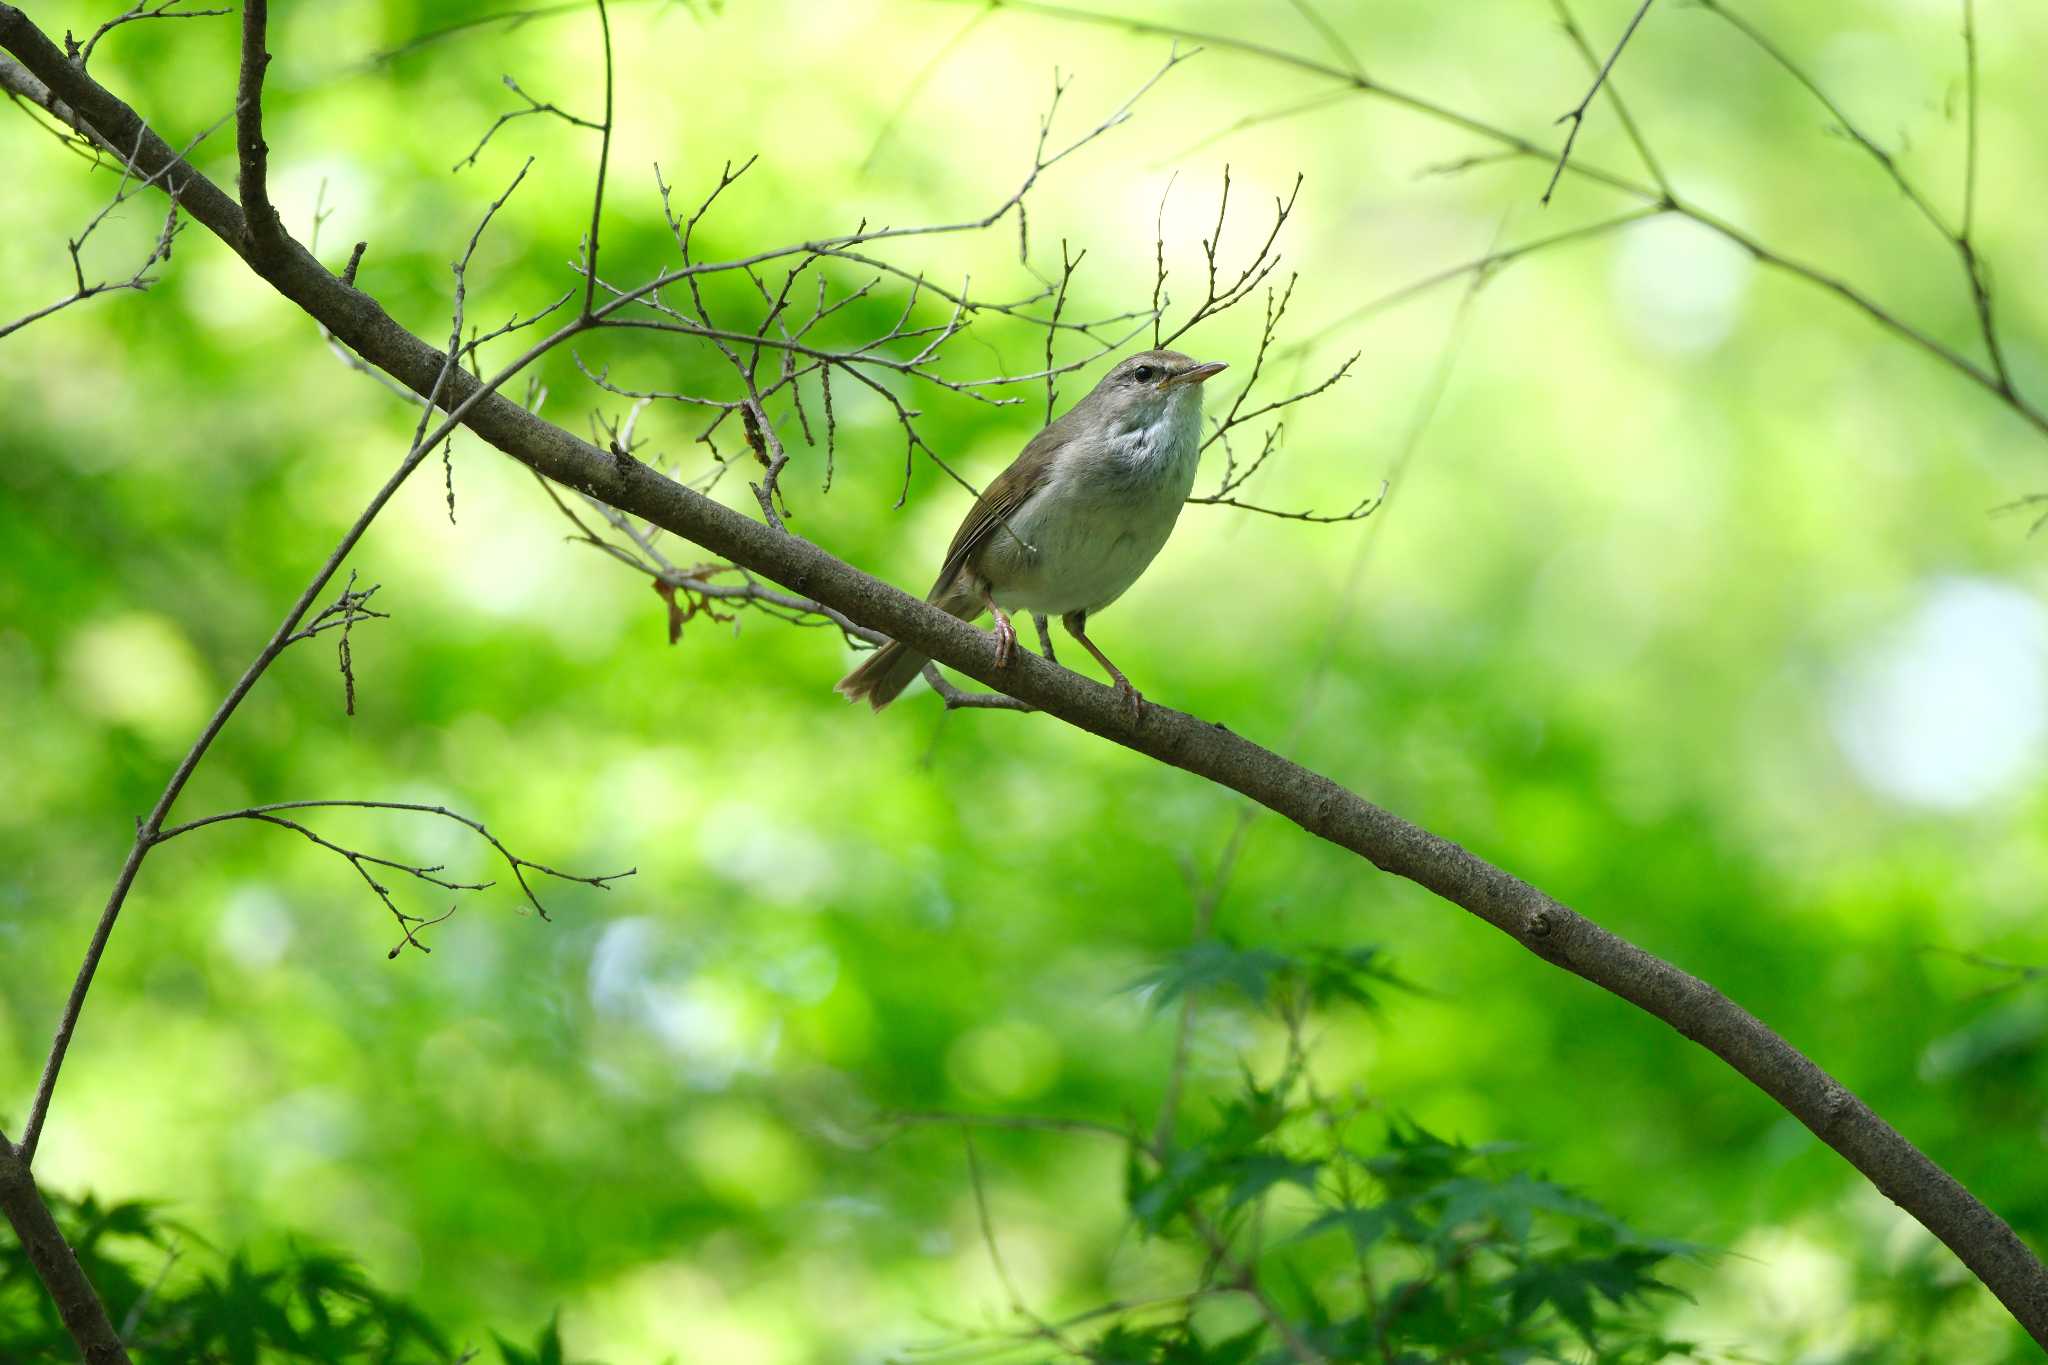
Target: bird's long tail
column 892, row 668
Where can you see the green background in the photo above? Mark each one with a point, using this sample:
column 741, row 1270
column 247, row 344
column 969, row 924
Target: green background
column 1686, row 607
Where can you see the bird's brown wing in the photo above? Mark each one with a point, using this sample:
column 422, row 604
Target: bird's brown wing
column 999, row 502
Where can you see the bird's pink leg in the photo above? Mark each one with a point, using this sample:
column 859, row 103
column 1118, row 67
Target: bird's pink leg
column 1006, row 634
column 1075, row 622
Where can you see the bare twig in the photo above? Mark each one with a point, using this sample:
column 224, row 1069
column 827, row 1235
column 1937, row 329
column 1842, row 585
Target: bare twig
column 1040, row 1327
column 604, row 156
column 533, row 106
column 960, row 699
column 789, row 340
column 1428, row 108
column 1970, row 116
column 1479, row 267
column 510, row 18
column 151, row 825
column 133, row 1319
column 2029, row 503
column 363, row 862
column 1514, row 146
column 132, row 184
column 163, row 9
column 1327, row 31
column 1159, row 263
column 1577, row 115
column 1223, row 294
column 1238, row 414
column 2016, row 974
column 1999, row 379
column 1068, row 264
column 341, row 615
column 910, row 89
column 1628, row 123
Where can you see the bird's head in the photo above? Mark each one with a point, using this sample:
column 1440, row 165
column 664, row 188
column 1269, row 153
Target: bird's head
column 1151, row 387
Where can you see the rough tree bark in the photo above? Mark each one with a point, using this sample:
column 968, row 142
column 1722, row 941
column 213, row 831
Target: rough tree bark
column 78, row 1304
column 1550, row 930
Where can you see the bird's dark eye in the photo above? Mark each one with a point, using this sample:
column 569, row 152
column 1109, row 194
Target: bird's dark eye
column 1144, row 374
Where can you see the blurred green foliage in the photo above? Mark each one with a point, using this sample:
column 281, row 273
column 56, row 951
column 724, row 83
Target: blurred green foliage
column 1686, row 608
column 1421, row 1249
column 312, row 1307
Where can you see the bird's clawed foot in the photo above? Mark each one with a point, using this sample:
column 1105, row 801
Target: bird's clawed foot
column 1006, row 641
column 1006, row 634
column 1132, row 698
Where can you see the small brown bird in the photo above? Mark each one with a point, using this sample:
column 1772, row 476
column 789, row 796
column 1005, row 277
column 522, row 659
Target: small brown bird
column 1070, row 525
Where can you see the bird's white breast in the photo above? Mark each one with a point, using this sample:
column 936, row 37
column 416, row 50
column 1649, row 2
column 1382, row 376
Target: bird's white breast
column 1101, row 517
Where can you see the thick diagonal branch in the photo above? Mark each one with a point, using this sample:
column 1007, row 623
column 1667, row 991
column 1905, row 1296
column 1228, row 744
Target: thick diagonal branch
column 1532, row 918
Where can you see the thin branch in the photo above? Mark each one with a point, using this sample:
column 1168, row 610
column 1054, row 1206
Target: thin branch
column 1577, row 115
column 363, row 863
column 1970, row 115
column 1480, row 266
column 341, row 615
column 1329, row 34
column 1235, row 475
column 251, row 151
column 149, row 827
column 2017, row 974
column 604, row 155
column 520, row 866
column 1220, row 294
column 2028, row 504
column 1042, row 1123
column 1428, row 108
column 1966, row 245
column 1846, row 125
column 533, row 106
column 1999, row 378
column 132, row 184
column 511, row 19
column 163, row 9
column 1040, row 1328
column 1159, row 263
column 1278, row 114
column 1522, row 147
column 960, row 699
column 1628, row 123
column 912, row 88
column 1068, row 264
column 136, row 1310
column 1358, row 511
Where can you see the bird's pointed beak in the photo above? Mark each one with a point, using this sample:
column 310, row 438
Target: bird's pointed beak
column 1196, row 374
